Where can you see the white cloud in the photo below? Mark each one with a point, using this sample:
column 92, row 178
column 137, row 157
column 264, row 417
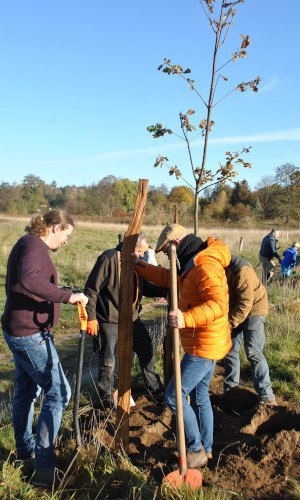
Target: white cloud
column 283, row 135
column 274, row 83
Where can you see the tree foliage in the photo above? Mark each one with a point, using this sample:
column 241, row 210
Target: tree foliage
column 126, row 191
column 287, row 176
column 111, row 199
column 181, row 194
column 241, row 194
column 32, row 191
column 226, row 171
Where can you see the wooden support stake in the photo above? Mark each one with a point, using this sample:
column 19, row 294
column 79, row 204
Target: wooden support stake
column 125, row 331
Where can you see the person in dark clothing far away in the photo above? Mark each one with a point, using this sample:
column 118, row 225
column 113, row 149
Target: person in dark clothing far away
column 102, row 289
column 267, row 253
column 248, row 308
column 32, row 309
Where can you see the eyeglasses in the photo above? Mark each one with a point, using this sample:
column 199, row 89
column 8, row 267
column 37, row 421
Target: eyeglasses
column 68, row 236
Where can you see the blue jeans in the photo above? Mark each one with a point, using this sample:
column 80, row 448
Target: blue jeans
column 37, row 367
column 286, row 271
column 196, row 374
column 252, row 331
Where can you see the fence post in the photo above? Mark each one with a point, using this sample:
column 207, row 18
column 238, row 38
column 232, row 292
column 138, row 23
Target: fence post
column 241, row 243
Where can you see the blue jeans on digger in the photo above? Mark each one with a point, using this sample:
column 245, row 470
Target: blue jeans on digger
column 37, row 368
column 196, row 374
column 252, row 331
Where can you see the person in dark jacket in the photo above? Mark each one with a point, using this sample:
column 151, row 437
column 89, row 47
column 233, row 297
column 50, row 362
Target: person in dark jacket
column 289, row 259
column 267, row 253
column 102, row 289
column 248, row 308
column 32, row 309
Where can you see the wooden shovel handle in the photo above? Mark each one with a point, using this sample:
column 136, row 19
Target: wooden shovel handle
column 177, row 372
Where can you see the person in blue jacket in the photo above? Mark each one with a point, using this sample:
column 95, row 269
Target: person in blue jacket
column 267, row 252
column 289, row 259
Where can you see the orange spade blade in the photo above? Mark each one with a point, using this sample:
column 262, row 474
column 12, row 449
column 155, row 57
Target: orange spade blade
column 193, row 479
column 82, row 315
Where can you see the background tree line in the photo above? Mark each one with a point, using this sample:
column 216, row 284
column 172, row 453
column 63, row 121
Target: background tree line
column 276, row 198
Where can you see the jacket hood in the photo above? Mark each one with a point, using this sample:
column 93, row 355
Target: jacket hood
column 216, row 249
column 236, row 264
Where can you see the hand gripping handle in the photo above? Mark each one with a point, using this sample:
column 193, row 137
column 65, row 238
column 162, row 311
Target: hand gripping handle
column 82, row 315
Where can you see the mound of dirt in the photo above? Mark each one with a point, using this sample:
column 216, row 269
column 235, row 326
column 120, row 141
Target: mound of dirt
column 255, row 452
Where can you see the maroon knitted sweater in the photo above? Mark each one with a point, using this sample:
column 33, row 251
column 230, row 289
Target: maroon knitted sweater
column 33, row 297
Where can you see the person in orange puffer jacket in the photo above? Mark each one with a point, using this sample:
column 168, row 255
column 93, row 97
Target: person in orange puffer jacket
column 202, row 318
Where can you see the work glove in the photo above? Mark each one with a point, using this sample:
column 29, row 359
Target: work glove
column 92, row 327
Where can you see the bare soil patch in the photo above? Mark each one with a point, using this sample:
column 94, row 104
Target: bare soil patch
column 255, row 452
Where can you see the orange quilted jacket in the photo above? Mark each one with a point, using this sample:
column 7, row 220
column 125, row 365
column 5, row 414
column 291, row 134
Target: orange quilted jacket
column 204, row 300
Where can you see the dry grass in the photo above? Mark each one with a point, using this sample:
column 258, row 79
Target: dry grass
column 101, row 475
column 90, row 239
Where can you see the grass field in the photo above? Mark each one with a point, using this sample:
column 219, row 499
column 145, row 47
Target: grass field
column 74, row 261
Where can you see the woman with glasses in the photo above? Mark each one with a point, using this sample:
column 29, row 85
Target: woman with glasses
column 32, row 309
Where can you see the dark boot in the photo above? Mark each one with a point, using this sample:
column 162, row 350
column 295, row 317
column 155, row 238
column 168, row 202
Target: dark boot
column 50, row 479
column 27, row 465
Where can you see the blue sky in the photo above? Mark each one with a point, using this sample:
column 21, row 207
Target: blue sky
column 79, row 86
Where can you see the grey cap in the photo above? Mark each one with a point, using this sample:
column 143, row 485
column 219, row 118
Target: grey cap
column 169, row 233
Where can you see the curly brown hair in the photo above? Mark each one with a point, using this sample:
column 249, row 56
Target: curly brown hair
column 39, row 223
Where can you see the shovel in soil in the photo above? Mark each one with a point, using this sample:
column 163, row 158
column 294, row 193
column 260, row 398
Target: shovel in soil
column 191, row 477
column 83, row 325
